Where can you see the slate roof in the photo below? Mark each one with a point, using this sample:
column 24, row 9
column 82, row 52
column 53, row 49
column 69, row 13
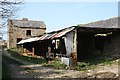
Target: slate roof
column 108, row 23
column 28, row 23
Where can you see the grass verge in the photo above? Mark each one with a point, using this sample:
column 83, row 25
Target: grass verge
column 81, row 66
column 56, row 65
column 14, row 53
column 92, row 64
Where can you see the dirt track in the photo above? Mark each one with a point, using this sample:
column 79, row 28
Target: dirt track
column 23, row 69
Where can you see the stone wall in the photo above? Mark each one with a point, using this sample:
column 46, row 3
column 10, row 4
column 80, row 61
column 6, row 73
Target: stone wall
column 15, row 32
column 21, row 32
column 112, row 48
column 86, row 46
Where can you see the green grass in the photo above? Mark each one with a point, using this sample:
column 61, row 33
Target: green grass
column 91, row 63
column 56, row 65
column 81, row 66
column 14, row 53
column 98, row 60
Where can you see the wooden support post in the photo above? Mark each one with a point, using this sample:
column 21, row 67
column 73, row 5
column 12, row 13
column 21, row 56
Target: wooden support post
column 24, row 50
column 33, row 50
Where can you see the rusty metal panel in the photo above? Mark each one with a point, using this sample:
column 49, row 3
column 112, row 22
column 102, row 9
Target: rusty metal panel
column 62, row 33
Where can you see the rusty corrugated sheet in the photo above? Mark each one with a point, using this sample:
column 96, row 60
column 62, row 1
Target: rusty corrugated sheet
column 62, row 33
column 42, row 37
column 47, row 36
column 56, row 34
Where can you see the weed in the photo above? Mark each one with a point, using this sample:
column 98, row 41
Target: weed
column 56, row 65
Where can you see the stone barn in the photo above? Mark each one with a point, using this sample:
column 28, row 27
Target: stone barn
column 84, row 41
column 22, row 29
column 100, row 38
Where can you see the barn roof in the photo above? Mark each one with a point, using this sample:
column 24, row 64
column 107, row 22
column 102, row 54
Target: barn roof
column 108, row 23
column 48, row 36
column 99, row 26
column 25, row 23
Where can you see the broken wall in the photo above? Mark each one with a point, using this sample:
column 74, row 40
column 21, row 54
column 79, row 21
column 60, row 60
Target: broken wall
column 15, row 32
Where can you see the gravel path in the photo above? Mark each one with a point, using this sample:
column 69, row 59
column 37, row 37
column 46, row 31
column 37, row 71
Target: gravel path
column 38, row 71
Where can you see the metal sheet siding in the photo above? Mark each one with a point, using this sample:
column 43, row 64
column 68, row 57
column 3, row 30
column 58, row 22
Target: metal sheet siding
column 62, row 33
column 69, row 42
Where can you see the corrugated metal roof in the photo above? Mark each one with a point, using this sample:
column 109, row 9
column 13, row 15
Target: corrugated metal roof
column 43, row 37
column 62, row 33
column 56, row 34
column 48, row 36
column 28, row 40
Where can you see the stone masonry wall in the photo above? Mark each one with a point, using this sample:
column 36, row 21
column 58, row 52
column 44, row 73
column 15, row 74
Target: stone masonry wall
column 17, row 32
column 112, row 48
column 21, row 32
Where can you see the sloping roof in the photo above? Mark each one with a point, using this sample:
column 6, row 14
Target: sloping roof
column 28, row 23
column 48, row 36
column 108, row 23
column 28, row 40
column 63, row 32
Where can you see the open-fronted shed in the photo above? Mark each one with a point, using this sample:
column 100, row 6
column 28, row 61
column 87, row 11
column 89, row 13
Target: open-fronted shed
column 81, row 42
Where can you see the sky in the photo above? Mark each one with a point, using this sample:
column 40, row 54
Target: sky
column 59, row 15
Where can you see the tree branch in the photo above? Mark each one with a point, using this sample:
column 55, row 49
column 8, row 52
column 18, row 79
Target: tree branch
column 8, row 9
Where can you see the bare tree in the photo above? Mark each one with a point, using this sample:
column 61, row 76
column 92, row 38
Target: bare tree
column 8, row 9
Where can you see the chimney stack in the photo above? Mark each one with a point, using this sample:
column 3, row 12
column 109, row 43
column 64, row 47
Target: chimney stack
column 25, row 19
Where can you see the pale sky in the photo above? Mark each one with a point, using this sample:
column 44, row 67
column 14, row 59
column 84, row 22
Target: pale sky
column 58, row 15
column 71, row 0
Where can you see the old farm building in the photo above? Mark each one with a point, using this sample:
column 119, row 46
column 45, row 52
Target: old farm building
column 23, row 29
column 79, row 42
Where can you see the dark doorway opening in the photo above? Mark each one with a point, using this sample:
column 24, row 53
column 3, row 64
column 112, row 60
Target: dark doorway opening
column 85, row 46
column 99, row 43
column 41, row 47
column 18, row 40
